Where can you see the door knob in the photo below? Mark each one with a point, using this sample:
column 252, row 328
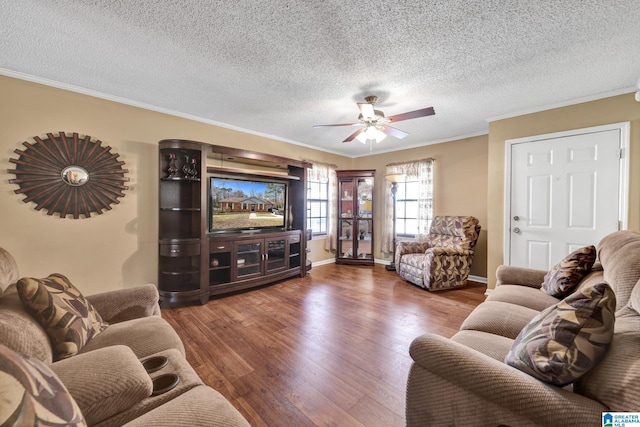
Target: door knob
column 516, row 218
column 516, row 230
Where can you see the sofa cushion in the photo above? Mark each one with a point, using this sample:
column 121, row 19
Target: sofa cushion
column 566, row 275
column 145, row 336
column 69, row 319
column 31, row 394
column 524, row 296
column 19, row 330
column 565, row 341
column 500, row 318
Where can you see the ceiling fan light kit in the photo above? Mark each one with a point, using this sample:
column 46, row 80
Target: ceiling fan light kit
column 371, row 133
column 373, row 123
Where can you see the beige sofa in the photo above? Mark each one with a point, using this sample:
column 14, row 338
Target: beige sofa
column 105, row 380
column 464, row 381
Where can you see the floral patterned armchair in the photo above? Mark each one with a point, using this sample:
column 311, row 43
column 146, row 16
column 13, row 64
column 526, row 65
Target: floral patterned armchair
column 442, row 261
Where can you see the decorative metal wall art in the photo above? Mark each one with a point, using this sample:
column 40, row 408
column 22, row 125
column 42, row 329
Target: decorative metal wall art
column 69, row 175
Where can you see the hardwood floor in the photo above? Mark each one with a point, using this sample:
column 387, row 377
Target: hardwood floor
column 331, row 349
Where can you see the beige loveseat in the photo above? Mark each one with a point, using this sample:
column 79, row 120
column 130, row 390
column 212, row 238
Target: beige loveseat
column 105, row 381
column 464, row 381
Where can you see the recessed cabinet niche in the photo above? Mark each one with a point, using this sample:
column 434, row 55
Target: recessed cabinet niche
column 195, row 262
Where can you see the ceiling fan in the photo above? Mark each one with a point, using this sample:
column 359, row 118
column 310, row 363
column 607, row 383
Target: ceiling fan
column 373, row 123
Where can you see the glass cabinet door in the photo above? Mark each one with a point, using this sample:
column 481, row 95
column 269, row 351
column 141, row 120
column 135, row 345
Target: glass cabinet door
column 276, row 255
column 249, row 258
column 355, row 217
column 345, row 225
column 365, row 215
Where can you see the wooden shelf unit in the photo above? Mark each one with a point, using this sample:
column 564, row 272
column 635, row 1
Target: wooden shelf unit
column 194, row 264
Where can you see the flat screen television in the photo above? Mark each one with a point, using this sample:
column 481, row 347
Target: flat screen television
column 239, row 204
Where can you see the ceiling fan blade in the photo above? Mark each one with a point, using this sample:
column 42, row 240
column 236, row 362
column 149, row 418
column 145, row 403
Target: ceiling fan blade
column 353, row 135
column 393, row 131
column 366, row 110
column 429, row 111
column 337, row 124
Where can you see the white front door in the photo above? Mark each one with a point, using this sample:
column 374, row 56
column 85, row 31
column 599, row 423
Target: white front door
column 564, row 192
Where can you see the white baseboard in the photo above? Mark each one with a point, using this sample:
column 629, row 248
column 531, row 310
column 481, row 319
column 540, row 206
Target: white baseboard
column 324, row 261
column 478, row 279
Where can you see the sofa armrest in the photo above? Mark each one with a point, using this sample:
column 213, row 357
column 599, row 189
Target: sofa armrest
column 403, row 248
column 450, row 382
column 411, row 247
column 104, row 382
column 126, row 304
column 512, row 275
column 450, row 252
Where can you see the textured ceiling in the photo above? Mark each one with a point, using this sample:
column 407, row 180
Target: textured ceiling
column 277, row 67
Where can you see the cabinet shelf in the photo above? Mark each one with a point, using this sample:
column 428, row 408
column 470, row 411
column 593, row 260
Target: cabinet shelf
column 238, row 171
column 180, row 273
column 171, row 240
column 180, row 178
column 176, row 209
column 246, row 265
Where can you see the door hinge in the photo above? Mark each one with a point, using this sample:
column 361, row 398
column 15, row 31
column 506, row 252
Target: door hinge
column 619, row 225
column 621, row 153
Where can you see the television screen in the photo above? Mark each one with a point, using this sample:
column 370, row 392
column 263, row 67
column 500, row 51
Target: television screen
column 242, row 204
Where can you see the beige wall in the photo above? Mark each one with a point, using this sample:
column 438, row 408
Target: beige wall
column 460, row 185
column 605, row 111
column 118, row 248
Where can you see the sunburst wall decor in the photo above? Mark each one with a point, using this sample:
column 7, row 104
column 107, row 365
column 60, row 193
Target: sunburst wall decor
column 69, row 175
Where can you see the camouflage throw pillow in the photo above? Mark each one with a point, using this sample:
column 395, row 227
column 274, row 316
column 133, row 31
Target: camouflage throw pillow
column 566, row 340
column 32, row 395
column 68, row 318
column 566, row 275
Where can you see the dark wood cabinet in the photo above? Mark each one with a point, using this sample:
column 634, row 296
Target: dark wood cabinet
column 355, row 217
column 241, row 261
column 195, row 263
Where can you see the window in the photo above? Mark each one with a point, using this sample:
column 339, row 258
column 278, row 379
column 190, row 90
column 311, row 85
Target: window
column 317, row 206
column 407, row 207
column 414, row 202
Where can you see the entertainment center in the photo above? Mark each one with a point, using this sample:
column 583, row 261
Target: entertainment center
column 229, row 219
